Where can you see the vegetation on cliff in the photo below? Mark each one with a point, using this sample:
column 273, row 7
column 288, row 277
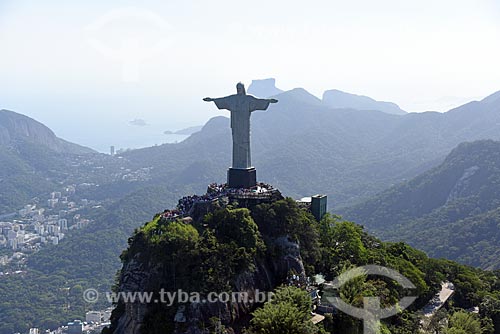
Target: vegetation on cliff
column 217, row 249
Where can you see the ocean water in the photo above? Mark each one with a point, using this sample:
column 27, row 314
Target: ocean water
column 135, row 141
column 127, row 137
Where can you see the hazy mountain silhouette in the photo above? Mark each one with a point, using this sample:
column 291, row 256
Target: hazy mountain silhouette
column 188, row 131
column 450, row 211
column 304, row 147
column 32, row 159
column 264, row 88
column 335, row 99
column 342, row 100
column 17, row 128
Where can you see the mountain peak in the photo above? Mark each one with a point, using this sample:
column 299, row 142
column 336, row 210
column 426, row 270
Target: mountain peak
column 264, row 88
column 300, row 95
column 341, row 100
column 15, row 127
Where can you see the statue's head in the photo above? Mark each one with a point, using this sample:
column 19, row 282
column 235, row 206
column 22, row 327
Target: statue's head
column 240, row 89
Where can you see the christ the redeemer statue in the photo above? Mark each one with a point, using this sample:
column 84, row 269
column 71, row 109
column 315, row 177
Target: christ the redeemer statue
column 241, row 106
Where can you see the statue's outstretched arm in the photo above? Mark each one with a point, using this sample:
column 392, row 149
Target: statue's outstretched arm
column 260, row 104
column 220, row 102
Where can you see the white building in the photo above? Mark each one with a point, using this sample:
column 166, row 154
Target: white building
column 38, row 217
column 93, row 316
column 53, row 229
column 51, row 203
column 55, row 195
column 11, row 235
column 39, row 228
column 20, row 238
column 63, row 224
column 13, row 244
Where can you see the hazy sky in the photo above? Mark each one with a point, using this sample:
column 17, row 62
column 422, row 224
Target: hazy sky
column 80, row 68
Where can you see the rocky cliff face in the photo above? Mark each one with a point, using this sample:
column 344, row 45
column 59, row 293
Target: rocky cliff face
column 141, row 272
column 264, row 88
column 268, row 274
column 16, row 128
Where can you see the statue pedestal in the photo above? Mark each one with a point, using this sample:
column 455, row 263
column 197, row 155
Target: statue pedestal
column 242, row 178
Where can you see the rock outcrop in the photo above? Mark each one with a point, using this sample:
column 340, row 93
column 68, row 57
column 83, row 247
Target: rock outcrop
column 250, row 287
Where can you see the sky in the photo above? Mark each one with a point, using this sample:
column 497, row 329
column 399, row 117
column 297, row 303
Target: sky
column 102, row 73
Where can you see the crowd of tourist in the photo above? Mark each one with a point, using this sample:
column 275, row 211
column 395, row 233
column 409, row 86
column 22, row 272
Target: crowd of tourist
column 214, row 192
column 172, row 214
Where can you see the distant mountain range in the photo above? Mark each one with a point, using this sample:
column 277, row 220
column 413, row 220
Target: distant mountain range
column 299, row 145
column 187, row 131
column 305, row 147
column 339, row 100
column 450, row 211
column 302, row 146
column 334, row 98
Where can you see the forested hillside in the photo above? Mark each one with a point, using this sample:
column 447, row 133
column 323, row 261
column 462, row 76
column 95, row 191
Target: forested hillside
column 450, row 211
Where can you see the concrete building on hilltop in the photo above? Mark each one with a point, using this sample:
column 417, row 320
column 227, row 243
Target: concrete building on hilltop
column 317, row 204
column 93, row 316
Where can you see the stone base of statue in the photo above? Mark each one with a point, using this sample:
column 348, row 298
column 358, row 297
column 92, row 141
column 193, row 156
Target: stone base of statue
column 242, row 178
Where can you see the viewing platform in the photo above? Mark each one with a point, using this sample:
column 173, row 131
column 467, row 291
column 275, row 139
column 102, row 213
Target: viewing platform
column 261, row 193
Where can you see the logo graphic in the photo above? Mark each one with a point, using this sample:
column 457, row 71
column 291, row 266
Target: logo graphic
column 141, row 34
column 91, row 296
column 371, row 313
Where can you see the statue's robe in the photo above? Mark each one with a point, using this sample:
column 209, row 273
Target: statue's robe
column 241, row 106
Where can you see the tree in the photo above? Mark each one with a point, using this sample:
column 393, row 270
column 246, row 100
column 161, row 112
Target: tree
column 287, row 313
column 462, row 322
column 341, row 243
